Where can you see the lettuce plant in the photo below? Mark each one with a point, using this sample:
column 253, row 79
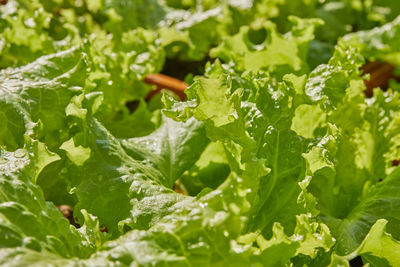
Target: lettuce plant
column 276, row 158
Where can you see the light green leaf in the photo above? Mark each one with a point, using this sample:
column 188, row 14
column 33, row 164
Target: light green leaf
column 33, row 98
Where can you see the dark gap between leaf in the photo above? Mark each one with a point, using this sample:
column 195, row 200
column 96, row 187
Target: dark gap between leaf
column 180, row 69
column 132, row 105
column 68, row 212
column 103, row 228
column 356, row 262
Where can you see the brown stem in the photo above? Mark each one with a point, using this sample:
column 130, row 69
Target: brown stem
column 380, row 75
column 166, row 82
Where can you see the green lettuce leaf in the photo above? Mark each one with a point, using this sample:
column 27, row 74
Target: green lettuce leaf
column 253, row 129
column 29, row 31
column 33, row 98
column 133, row 176
column 268, row 49
column 29, row 222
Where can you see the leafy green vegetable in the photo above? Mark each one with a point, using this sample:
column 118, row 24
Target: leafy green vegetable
column 28, row 221
column 277, row 158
